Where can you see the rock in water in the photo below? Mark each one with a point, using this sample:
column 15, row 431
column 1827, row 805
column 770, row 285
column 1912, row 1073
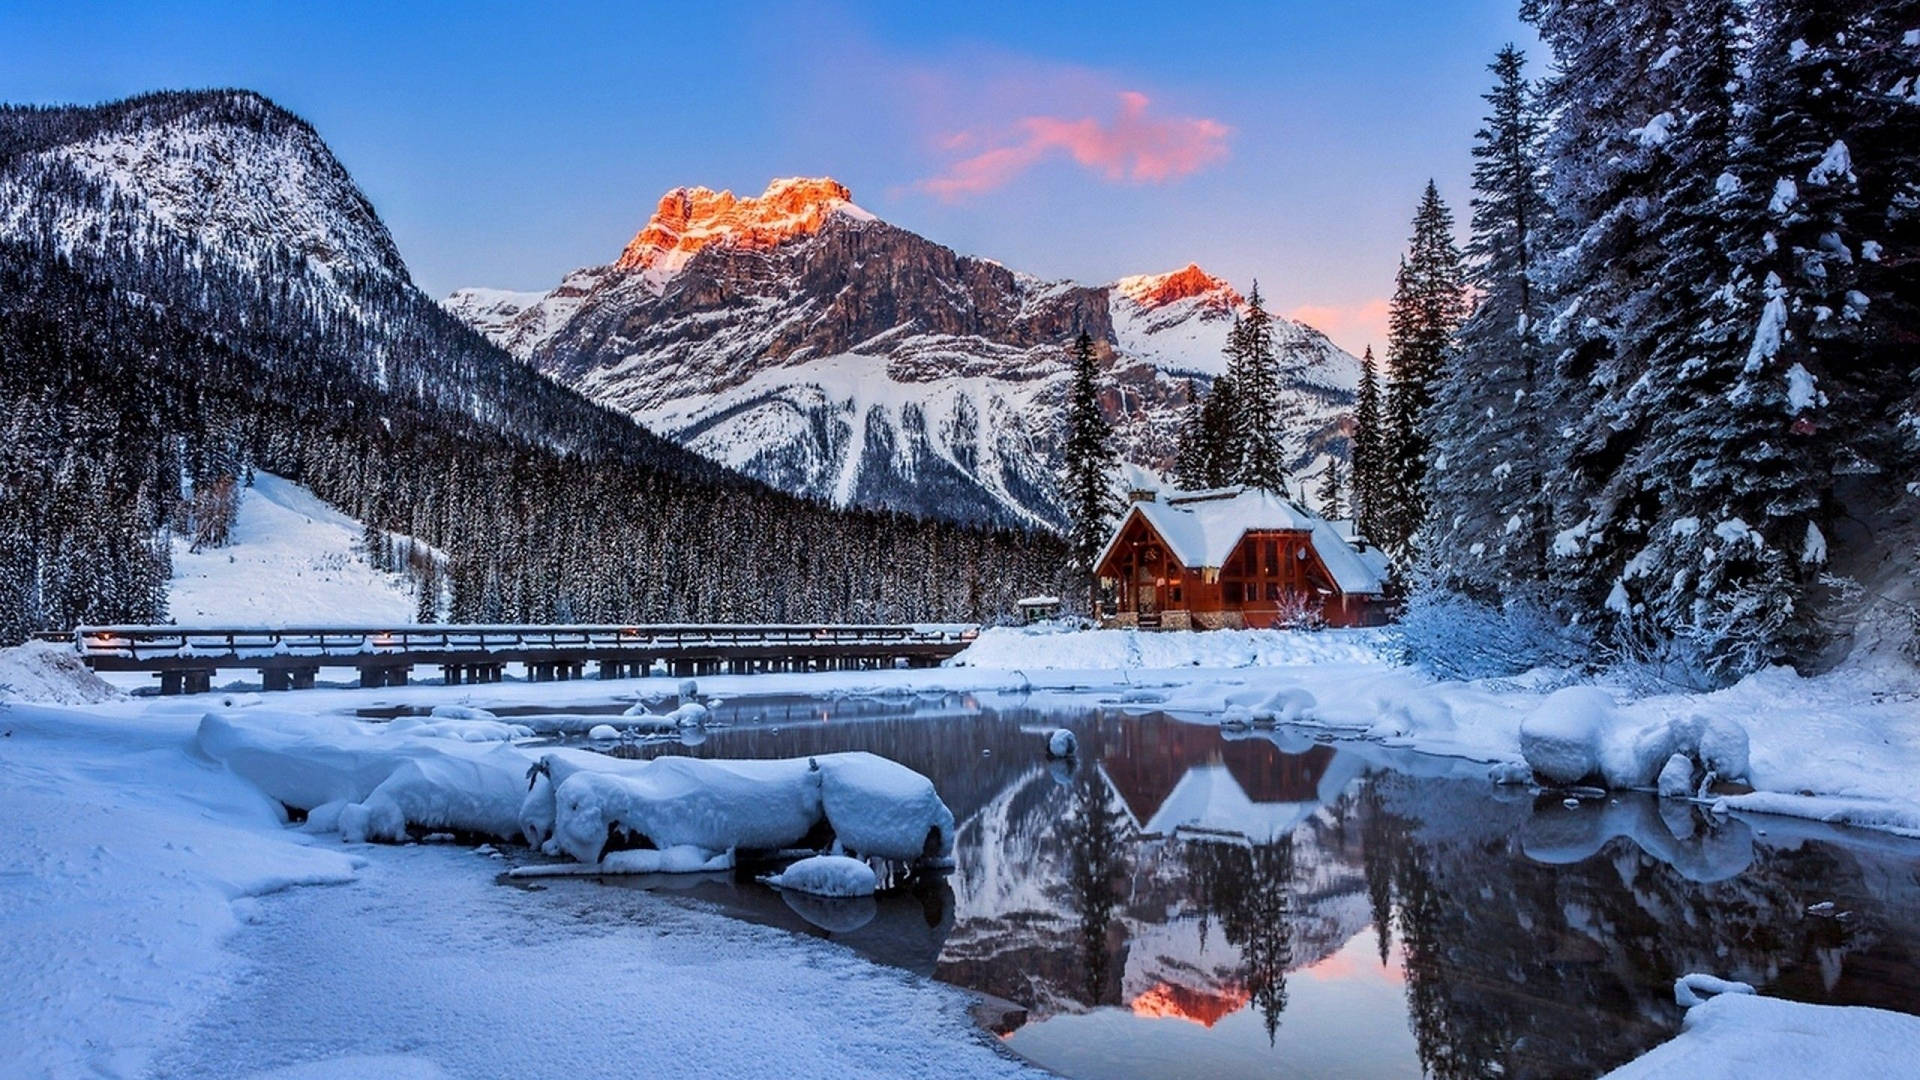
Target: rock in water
column 1561, row 738
column 1676, row 777
column 827, row 875
column 1062, row 744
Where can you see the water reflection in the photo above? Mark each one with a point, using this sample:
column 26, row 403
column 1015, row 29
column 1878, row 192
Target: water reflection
column 1173, row 902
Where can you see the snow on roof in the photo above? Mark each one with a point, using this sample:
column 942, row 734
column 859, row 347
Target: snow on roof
column 1203, row 527
column 1037, row 601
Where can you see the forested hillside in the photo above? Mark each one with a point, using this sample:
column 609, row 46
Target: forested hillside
column 191, row 286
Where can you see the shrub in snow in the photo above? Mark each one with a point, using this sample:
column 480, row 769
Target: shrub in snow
column 827, row 875
column 1561, row 738
column 1676, row 777
column 1062, row 744
column 689, row 690
column 1457, row 637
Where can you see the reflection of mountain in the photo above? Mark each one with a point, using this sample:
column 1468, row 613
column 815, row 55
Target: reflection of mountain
column 1181, row 876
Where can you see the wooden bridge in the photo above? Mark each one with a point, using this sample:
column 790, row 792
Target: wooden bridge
column 185, row 658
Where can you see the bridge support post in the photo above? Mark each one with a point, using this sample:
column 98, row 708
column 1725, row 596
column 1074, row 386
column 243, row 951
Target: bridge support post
column 450, row 674
column 397, row 676
column 303, row 677
column 171, row 682
column 276, row 679
column 372, row 678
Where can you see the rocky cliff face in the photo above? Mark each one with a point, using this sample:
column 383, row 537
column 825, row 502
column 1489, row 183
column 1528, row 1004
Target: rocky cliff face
column 800, row 339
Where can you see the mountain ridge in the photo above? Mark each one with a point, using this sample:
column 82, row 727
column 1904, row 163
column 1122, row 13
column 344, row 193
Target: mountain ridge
column 808, row 343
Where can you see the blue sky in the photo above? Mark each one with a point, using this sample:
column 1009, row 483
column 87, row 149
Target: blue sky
column 505, row 145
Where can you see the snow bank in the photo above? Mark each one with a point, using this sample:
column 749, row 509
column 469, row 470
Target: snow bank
column 875, row 807
column 1900, row 818
column 51, row 674
column 1736, row 1036
column 827, row 875
column 465, row 730
column 1578, row 732
column 370, row 783
column 1561, row 738
column 1049, row 647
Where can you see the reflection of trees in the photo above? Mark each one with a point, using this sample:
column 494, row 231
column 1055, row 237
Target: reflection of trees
column 1519, row 968
column 1099, row 860
column 1249, row 889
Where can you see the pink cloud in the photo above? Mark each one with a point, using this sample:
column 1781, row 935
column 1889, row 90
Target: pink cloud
column 1131, row 148
column 1351, row 326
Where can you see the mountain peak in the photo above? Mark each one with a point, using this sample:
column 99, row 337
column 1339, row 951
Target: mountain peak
column 1159, row 290
column 691, row 218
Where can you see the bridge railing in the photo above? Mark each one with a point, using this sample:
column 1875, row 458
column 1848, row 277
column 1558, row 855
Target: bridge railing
column 246, row 645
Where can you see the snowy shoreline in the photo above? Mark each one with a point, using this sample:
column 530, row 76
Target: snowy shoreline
column 140, row 858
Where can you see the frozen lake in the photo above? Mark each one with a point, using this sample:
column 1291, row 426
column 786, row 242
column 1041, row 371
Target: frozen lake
column 1176, row 901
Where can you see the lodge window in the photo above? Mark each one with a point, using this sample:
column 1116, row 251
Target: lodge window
column 1176, row 594
column 1273, row 591
column 1233, row 592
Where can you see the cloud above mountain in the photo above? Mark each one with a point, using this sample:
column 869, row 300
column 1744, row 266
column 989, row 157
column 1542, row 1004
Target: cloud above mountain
column 1132, row 146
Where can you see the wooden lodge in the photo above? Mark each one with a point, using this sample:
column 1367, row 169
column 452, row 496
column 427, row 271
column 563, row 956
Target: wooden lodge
column 1237, row 557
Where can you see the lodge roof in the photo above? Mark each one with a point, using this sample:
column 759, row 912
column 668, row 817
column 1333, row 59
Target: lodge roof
column 1203, row 527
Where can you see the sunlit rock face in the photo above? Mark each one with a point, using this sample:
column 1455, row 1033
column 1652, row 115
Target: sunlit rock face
column 801, row 340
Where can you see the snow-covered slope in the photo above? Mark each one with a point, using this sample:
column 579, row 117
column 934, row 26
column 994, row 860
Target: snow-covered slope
column 798, row 338
column 293, row 559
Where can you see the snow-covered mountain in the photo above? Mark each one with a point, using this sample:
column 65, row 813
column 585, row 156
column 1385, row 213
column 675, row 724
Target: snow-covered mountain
column 800, row 339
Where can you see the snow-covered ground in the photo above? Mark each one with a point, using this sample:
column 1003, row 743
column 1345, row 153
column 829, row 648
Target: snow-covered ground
column 293, row 559
column 136, row 858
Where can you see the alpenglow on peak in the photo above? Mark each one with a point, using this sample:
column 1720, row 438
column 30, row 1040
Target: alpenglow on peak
column 691, row 218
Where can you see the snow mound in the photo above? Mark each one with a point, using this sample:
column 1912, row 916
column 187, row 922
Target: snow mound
column 1561, row 738
column 51, row 674
column 1676, row 777
column 1016, row 648
column 1062, row 744
column 1688, row 989
column 603, row 733
column 1739, row 1036
column 370, row 784
column 476, row 730
column 827, row 875
column 873, row 806
column 462, row 712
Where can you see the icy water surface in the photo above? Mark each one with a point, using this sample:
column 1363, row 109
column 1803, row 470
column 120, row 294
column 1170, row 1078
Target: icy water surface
column 1180, row 903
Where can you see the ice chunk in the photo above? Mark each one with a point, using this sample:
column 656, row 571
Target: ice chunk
column 1676, row 777
column 1560, row 739
column 1062, row 744
column 827, row 875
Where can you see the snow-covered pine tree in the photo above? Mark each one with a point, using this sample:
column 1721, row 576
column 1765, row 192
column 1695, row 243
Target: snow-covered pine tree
column 1609, row 96
column 1190, row 459
column 1486, row 526
column 1089, row 460
column 1328, row 495
column 1258, row 420
column 1368, row 454
column 1219, row 453
column 1429, row 302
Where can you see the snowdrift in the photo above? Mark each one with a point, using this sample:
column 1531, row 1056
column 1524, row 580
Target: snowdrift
column 1579, row 733
column 874, row 808
column 371, row 782
column 48, row 673
column 1042, row 647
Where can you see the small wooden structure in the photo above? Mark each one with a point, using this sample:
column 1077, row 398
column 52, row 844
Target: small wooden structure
column 1035, row 609
column 185, row 658
column 1238, row 557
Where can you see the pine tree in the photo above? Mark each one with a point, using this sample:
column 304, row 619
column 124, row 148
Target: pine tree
column 1191, row 460
column 1219, row 454
column 1486, row 527
column 1369, row 447
column 1428, row 305
column 1258, row 421
column 1089, row 461
column 1328, row 496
